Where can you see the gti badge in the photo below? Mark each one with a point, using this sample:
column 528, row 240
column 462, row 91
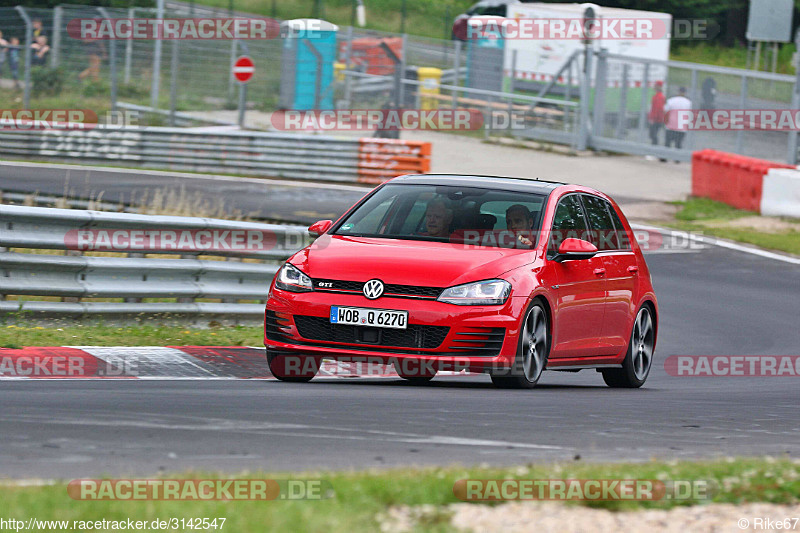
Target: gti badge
column 373, row 289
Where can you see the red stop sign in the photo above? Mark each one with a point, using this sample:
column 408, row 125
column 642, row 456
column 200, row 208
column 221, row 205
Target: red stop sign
column 243, row 69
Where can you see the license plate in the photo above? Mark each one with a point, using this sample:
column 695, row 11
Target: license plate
column 361, row 316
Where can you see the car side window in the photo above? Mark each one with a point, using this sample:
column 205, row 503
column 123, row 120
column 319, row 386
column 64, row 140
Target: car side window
column 623, row 239
column 569, row 222
column 603, row 233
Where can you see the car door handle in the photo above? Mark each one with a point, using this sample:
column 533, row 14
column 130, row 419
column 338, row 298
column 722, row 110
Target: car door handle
column 633, row 269
column 600, row 271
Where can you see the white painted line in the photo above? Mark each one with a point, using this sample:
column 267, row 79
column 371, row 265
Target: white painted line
column 716, row 241
column 215, row 177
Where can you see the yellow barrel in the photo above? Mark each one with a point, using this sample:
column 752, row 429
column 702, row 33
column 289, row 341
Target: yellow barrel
column 430, row 79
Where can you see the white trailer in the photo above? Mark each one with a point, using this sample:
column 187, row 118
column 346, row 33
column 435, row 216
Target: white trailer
column 541, row 59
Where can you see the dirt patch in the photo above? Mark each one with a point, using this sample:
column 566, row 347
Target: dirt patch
column 758, row 223
column 554, row 517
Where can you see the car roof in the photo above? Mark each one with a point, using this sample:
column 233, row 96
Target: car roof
column 466, row 180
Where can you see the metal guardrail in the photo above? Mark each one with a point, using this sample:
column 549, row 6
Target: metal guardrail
column 278, row 155
column 137, row 276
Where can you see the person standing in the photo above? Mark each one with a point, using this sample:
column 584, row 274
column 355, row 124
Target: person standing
column 656, row 115
column 675, row 130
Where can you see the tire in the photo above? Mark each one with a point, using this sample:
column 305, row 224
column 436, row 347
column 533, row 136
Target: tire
column 416, row 379
column 533, row 350
column 639, row 359
column 277, row 365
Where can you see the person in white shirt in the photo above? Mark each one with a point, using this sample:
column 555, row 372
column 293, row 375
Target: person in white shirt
column 675, row 131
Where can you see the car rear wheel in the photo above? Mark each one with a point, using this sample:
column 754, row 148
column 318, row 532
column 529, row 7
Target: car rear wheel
column 293, row 369
column 637, row 363
column 532, row 352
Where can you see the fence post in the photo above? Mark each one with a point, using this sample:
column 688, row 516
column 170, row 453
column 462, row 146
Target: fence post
column 348, row 50
column 58, row 16
column 692, row 97
column 112, row 63
column 456, row 70
column 601, row 80
column 231, row 79
column 129, row 50
column 28, row 41
column 623, row 104
column 156, row 60
column 742, row 104
column 173, row 83
column 791, row 156
column 643, row 106
column 586, row 87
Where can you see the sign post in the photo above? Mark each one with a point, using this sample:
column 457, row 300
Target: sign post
column 243, row 70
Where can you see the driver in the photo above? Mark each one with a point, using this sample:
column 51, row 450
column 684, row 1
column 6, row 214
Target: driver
column 520, row 220
column 438, row 217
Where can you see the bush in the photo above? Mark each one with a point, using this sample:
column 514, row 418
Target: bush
column 47, row 81
column 96, row 88
column 132, row 90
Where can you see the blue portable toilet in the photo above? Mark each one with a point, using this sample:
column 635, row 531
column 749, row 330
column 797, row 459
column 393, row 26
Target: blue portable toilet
column 307, row 57
column 485, row 57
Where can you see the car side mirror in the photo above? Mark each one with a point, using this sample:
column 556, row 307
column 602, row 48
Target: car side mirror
column 318, row 228
column 575, row 249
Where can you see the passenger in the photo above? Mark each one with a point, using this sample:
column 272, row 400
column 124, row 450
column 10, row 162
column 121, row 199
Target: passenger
column 520, row 220
column 438, row 217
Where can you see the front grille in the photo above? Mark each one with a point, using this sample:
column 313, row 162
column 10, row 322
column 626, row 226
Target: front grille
column 479, row 341
column 275, row 327
column 414, row 291
column 415, row 336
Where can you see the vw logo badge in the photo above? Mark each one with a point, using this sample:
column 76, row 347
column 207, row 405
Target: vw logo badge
column 373, row 289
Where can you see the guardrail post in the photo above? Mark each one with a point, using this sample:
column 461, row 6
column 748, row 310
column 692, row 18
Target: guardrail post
column 134, row 255
column 55, row 46
column 742, row 104
column 28, row 51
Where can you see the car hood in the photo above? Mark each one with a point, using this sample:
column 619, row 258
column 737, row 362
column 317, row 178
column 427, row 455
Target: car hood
column 406, row 262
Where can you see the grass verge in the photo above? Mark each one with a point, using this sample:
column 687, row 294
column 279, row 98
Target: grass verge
column 19, row 335
column 717, row 219
column 358, row 500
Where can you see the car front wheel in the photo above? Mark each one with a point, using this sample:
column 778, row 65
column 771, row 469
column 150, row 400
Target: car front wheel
column 532, row 352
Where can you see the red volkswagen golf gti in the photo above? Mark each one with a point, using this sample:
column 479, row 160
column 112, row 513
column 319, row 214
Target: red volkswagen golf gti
column 504, row 276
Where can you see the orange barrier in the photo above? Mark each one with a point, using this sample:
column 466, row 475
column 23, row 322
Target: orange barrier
column 383, row 159
column 733, row 179
column 368, row 52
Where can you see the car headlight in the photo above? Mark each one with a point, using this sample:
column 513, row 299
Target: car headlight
column 290, row 278
column 490, row 292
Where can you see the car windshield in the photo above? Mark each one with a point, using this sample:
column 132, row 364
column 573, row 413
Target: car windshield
column 448, row 213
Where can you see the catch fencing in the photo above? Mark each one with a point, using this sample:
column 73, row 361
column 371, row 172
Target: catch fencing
column 276, row 155
column 221, row 271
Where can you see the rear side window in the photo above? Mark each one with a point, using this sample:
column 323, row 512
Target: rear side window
column 623, row 238
column 569, row 222
column 603, row 232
